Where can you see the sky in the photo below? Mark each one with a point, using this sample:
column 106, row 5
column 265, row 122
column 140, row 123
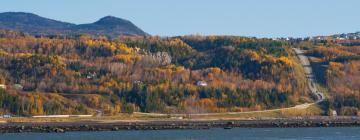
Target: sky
column 257, row 18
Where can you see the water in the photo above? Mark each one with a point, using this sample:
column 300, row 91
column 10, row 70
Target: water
column 211, row 134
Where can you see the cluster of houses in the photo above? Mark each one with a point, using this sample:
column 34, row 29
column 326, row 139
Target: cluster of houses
column 349, row 36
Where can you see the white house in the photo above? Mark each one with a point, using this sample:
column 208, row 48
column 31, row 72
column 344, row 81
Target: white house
column 201, row 83
column 334, row 113
column 18, row 87
column 2, row 86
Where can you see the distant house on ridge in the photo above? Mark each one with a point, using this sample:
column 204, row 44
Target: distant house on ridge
column 201, row 83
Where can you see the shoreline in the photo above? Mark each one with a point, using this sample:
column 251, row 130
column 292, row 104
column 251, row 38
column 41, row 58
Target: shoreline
column 61, row 127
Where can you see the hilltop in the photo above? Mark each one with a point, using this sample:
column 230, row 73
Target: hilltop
column 36, row 25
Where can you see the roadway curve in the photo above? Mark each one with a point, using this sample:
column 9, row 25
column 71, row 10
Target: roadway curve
column 311, row 83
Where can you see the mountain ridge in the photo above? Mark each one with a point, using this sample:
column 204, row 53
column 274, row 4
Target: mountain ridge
column 36, row 25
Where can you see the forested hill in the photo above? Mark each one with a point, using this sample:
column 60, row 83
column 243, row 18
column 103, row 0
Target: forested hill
column 190, row 74
column 186, row 74
column 36, row 25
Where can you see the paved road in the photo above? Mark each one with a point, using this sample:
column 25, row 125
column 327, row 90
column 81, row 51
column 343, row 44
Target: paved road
column 301, row 106
column 309, row 75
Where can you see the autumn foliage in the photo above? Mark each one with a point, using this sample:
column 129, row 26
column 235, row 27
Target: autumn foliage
column 79, row 75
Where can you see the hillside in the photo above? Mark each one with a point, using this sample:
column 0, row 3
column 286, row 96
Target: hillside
column 189, row 74
column 336, row 61
column 36, row 25
column 110, row 26
column 186, row 74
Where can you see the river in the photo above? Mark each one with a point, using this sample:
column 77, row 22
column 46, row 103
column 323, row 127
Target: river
column 344, row 133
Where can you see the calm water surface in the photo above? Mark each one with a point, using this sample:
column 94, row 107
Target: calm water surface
column 211, row 134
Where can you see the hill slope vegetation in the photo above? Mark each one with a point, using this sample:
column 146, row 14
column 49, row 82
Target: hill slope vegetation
column 82, row 74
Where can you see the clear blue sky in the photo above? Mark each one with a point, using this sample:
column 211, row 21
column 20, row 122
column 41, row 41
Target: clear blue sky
column 260, row 18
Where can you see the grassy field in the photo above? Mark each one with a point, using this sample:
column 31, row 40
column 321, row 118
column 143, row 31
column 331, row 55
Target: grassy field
column 313, row 110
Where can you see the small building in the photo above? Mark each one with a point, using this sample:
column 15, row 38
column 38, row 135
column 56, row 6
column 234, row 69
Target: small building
column 2, row 86
column 91, row 75
column 137, row 49
column 334, row 113
column 201, row 83
column 177, row 118
column 137, row 82
column 18, row 87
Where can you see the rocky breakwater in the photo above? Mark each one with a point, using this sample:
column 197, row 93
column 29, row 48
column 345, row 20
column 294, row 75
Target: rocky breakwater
column 61, row 127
